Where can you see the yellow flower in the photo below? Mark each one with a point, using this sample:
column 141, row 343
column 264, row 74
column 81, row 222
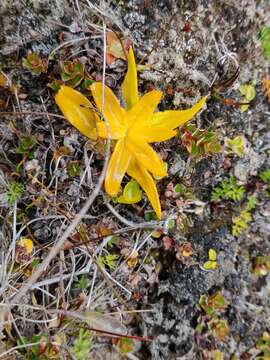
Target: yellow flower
column 78, row 110
column 134, row 127
column 26, row 244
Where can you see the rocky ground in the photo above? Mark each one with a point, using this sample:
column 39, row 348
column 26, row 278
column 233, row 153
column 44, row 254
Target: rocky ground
column 192, row 48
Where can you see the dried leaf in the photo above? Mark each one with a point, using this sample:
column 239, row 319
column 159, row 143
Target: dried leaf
column 101, row 322
column 3, row 80
column 115, row 47
column 266, row 88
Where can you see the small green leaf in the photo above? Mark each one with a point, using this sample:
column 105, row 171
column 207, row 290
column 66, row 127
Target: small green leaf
column 212, row 255
column 251, row 203
column 265, row 41
column 14, row 191
column 110, row 260
column 210, row 265
column 217, row 301
column 113, row 241
column 125, row 345
column 35, row 263
column 87, row 83
column 82, row 282
column 171, row 224
column 35, row 64
column 240, row 223
column 131, row 194
column 236, row 145
column 73, row 168
column 26, row 145
column 265, row 175
column 200, row 142
column 228, row 189
column 179, row 189
column 248, row 91
column 150, row 215
column 82, row 345
column 55, row 85
column 72, row 73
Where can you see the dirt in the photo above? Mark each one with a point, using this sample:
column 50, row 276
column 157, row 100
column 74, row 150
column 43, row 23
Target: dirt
column 184, row 42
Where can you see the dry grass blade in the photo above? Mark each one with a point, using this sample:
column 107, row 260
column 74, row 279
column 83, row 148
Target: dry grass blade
column 76, row 221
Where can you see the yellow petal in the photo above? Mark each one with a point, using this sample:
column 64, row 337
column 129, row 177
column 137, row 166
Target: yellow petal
column 130, row 83
column 115, row 132
column 171, row 119
column 117, row 168
column 112, row 110
column 27, row 244
column 147, row 183
column 142, row 112
column 78, row 110
column 153, row 133
column 146, row 156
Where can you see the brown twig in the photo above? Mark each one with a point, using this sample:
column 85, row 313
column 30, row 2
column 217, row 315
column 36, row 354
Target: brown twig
column 114, row 334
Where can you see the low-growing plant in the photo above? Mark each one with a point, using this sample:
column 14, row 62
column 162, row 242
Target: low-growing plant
column 14, row 191
column 42, row 349
column 265, row 175
column 263, row 344
column 73, row 168
column 73, row 74
column 210, row 322
column 241, row 222
column 228, row 190
column 265, row 41
column 82, row 282
column 248, row 92
column 211, row 263
column 261, row 265
column 125, row 346
column 235, row 145
column 200, row 143
column 109, row 260
column 27, row 146
column 213, row 303
column 219, row 328
column 134, row 128
column 82, row 344
column 251, row 202
column 112, row 241
column 35, row 64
